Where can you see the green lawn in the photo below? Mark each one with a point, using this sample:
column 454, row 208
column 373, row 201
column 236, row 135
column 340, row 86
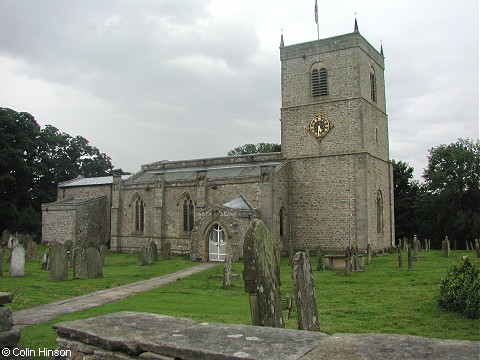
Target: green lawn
column 380, row 299
column 36, row 288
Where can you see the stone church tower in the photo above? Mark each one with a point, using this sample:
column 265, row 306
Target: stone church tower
column 334, row 135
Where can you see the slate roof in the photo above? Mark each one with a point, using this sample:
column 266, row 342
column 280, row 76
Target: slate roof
column 239, row 203
column 81, row 181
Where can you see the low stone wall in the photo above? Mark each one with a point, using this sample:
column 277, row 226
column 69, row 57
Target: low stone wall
column 131, row 335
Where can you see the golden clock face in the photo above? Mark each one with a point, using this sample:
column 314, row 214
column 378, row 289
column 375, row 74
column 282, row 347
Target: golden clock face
column 319, row 126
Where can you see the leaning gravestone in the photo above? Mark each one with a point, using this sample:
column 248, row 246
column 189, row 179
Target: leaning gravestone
column 79, row 258
column 58, row 262
column 94, row 263
column 32, row 250
column 399, row 256
column 17, row 261
column 304, row 289
column 166, row 250
column 260, row 275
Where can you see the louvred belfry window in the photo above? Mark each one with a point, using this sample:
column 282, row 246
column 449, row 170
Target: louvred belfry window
column 319, row 82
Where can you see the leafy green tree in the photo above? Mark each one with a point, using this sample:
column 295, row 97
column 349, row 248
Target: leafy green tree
column 406, row 192
column 452, row 181
column 255, row 149
column 32, row 163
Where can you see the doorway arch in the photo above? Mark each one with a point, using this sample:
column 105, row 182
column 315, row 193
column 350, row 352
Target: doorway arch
column 217, row 246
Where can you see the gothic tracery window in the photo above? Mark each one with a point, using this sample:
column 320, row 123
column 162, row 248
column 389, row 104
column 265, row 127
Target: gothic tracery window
column 188, row 214
column 139, row 214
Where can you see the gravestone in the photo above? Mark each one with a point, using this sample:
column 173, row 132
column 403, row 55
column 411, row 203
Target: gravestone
column 103, row 253
column 166, row 250
column 17, row 261
column 142, row 254
column 154, row 246
column 348, row 262
column 416, row 246
column 319, row 259
column 304, row 289
column 410, row 257
column 45, row 261
column 32, row 250
column 94, row 263
column 58, row 262
column 369, row 253
column 399, row 256
column 1, row 259
column 79, row 261
column 150, row 257
column 260, row 276
column 477, row 248
column 5, row 237
column 447, row 247
column 227, row 271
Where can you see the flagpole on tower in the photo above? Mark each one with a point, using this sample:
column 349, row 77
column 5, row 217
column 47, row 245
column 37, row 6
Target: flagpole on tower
column 316, row 20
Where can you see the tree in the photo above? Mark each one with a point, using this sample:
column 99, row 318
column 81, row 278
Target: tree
column 32, row 163
column 406, row 192
column 453, row 183
column 255, row 149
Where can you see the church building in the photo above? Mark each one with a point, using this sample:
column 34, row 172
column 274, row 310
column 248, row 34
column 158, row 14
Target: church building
column 330, row 186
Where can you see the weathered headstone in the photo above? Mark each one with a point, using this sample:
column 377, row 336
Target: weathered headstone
column 166, row 250
column 447, row 247
column 32, row 250
column 1, row 259
column 154, row 246
column 348, row 269
column 477, row 248
column 45, row 260
column 260, row 275
column 17, row 261
column 5, row 237
column 227, row 271
column 79, row 258
column 416, row 246
column 319, row 259
column 150, row 255
column 399, row 256
column 58, row 262
column 356, row 259
column 410, row 257
column 304, row 289
column 369, row 253
column 142, row 254
column 103, row 253
column 94, row 263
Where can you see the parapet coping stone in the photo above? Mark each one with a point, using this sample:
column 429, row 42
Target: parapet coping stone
column 134, row 333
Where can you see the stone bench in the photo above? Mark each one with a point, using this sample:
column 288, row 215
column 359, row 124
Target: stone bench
column 131, row 335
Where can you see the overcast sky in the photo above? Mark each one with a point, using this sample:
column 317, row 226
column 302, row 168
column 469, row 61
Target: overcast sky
column 149, row 80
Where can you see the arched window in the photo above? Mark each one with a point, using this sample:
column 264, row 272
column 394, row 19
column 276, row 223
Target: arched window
column 319, row 82
column 373, row 85
column 138, row 213
column 282, row 221
column 188, row 214
column 379, row 212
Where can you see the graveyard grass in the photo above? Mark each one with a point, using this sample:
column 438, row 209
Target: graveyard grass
column 381, row 299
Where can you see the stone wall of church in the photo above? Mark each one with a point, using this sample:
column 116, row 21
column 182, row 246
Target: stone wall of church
column 58, row 224
column 281, row 191
column 217, row 192
column 322, row 202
